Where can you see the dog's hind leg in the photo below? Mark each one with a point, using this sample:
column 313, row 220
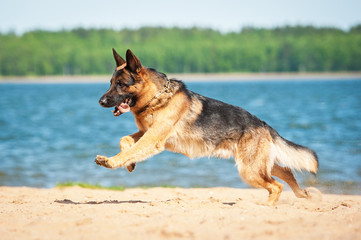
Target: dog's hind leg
column 253, row 170
column 274, row 188
column 256, row 178
column 286, row 175
column 254, row 163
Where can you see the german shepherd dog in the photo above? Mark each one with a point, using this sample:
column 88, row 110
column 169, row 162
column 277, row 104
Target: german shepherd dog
column 169, row 116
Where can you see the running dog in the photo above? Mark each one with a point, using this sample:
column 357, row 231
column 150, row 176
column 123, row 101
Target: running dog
column 169, row 116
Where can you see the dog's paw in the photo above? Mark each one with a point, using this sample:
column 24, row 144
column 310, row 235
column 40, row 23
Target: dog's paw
column 313, row 194
column 131, row 167
column 103, row 161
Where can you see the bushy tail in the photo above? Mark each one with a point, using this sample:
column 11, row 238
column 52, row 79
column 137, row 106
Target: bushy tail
column 294, row 156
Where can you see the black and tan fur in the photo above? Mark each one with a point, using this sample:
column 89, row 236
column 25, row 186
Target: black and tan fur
column 169, row 116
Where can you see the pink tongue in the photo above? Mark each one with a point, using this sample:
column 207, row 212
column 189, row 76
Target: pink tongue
column 123, row 108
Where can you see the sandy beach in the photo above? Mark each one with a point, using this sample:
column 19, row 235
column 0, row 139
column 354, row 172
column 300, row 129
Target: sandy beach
column 174, row 213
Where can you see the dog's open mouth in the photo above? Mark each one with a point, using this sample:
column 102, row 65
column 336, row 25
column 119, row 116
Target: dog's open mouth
column 120, row 109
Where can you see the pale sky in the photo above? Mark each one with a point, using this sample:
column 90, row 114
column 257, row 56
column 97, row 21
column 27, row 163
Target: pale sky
column 225, row 15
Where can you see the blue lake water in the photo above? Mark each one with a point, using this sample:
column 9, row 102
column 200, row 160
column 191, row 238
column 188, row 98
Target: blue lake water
column 51, row 133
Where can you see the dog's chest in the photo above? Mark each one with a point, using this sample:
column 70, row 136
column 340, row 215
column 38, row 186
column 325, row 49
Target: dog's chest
column 145, row 122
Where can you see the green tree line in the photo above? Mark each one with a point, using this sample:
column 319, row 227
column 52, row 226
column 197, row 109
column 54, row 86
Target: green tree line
column 178, row 50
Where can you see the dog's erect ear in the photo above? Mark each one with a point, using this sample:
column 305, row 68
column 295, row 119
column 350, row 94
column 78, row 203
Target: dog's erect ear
column 133, row 62
column 118, row 59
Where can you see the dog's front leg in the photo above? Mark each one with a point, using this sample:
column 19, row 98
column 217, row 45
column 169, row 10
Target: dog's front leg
column 150, row 144
column 127, row 142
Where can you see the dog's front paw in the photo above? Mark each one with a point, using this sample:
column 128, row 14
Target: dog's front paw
column 103, row 161
column 131, row 167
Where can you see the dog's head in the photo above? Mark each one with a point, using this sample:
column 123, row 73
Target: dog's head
column 132, row 86
column 125, row 84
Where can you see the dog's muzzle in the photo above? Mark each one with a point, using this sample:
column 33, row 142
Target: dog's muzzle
column 119, row 109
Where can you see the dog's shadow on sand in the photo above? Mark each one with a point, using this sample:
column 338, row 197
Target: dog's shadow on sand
column 68, row 201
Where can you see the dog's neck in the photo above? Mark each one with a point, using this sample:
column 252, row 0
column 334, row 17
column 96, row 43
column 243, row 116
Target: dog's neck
column 166, row 89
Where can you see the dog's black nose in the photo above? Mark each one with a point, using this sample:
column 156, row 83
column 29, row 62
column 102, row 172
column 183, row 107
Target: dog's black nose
column 103, row 101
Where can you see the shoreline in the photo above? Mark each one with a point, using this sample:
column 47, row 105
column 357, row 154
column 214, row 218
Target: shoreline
column 174, row 213
column 192, row 77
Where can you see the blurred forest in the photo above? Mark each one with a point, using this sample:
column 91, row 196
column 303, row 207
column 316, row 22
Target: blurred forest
column 178, row 50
